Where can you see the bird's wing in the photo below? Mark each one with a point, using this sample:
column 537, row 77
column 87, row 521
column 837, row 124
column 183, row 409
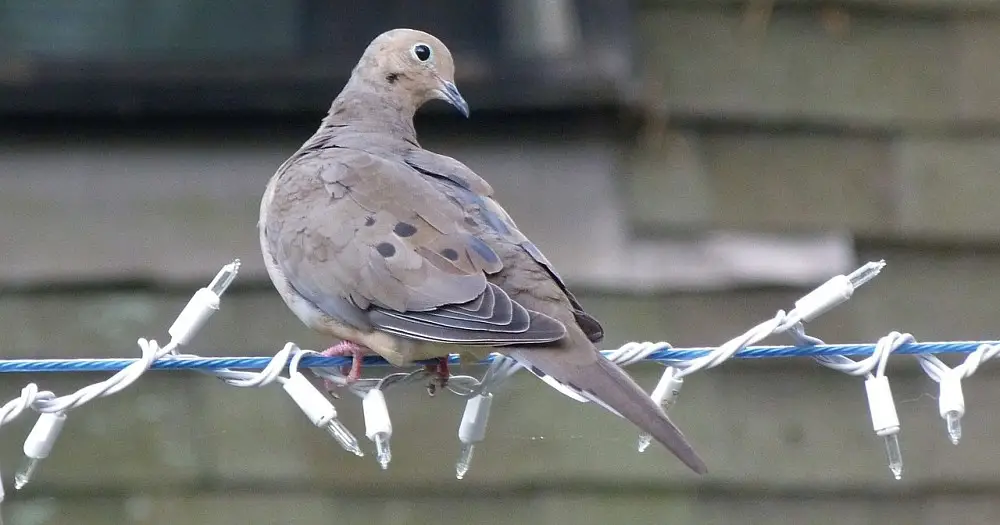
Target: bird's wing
column 495, row 217
column 371, row 242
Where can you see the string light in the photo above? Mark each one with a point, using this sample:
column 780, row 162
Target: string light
column 256, row 372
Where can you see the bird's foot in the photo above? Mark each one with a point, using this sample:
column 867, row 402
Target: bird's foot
column 344, row 349
column 439, row 375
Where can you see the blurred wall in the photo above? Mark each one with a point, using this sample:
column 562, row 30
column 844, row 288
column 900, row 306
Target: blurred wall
column 714, row 161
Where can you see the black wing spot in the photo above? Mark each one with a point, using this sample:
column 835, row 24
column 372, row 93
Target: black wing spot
column 369, row 220
column 449, row 254
column 470, row 221
column 386, row 249
column 404, row 229
column 392, row 78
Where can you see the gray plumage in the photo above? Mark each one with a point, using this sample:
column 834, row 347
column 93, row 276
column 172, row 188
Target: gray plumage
column 370, row 238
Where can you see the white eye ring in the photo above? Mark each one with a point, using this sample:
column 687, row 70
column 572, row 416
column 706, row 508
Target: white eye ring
column 422, row 52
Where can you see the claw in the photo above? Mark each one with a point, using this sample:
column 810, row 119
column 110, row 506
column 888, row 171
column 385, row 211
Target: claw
column 439, row 375
column 344, row 349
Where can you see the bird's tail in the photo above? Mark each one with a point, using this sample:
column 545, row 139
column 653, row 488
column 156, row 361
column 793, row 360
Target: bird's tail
column 591, row 373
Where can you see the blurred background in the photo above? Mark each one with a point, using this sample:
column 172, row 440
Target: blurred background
column 690, row 166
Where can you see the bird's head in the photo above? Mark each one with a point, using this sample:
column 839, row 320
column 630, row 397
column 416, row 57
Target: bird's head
column 413, row 64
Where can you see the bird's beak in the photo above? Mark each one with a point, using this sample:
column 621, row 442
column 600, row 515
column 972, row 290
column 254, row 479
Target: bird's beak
column 450, row 93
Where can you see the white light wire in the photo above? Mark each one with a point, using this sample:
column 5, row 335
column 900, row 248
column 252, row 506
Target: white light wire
column 822, row 299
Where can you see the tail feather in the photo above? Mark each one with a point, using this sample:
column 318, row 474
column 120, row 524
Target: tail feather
column 595, row 375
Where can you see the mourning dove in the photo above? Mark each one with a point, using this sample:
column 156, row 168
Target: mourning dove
column 392, row 248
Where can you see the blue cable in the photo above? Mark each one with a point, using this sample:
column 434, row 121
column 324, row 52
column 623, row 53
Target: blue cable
column 315, row 361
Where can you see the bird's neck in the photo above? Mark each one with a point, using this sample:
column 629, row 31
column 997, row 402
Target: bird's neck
column 363, row 105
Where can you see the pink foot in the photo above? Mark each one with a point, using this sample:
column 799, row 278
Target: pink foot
column 344, row 349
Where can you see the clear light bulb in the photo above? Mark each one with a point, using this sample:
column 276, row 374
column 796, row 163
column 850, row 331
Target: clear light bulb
column 320, row 411
column 224, row 278
column 866, row 273
column 472, row 430
column 885, row 421
column 38, row 445
column 464, row 459
column 644, row 441
column 26, row 472
column 953, row 419
column 344, row 437
column 378, row 426
column 383, row 452
column 894, row 455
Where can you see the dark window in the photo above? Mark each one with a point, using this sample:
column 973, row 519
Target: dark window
column 121, row 56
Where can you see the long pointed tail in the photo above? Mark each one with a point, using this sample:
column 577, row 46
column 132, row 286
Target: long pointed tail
column 592, row 373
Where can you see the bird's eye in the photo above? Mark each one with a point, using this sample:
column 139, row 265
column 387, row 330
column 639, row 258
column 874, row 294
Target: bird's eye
column 422, row 52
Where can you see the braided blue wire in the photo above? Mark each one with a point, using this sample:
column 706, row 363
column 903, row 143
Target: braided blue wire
column 315, row 361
